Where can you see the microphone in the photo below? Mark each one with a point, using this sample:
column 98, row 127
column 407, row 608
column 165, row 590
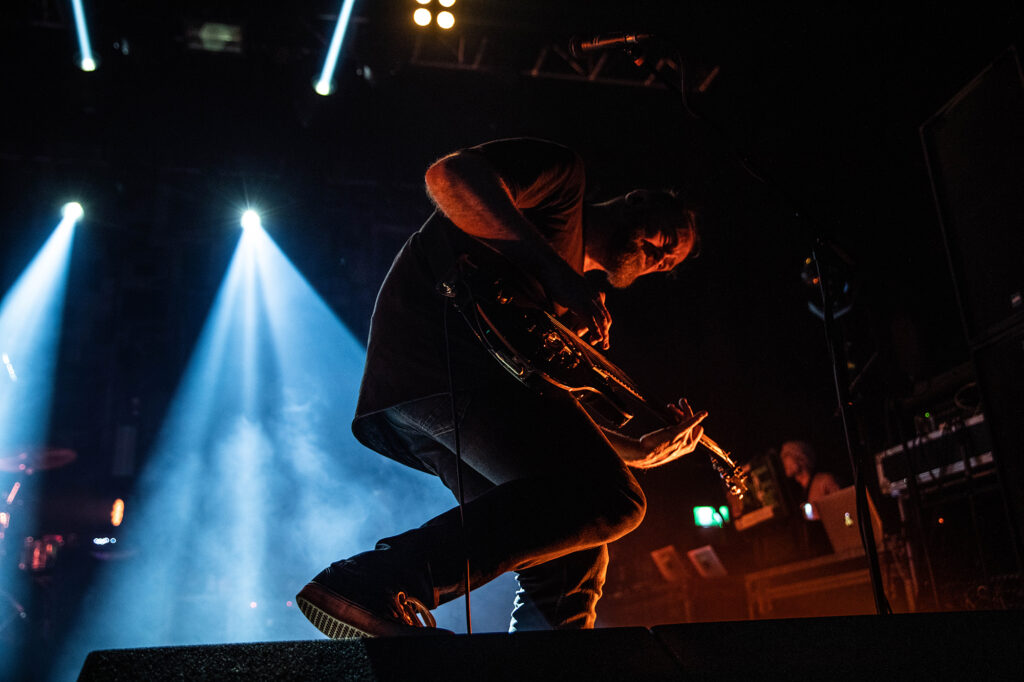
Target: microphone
column 580, row 46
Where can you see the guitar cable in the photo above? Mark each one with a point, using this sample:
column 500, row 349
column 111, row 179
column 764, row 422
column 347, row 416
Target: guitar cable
column 461, row 493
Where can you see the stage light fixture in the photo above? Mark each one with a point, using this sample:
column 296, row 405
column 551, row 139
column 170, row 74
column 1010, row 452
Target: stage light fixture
column 214, row 36
column 72, row 211
column 446, row 3
column 324, row 84
column 422, row 17
column 251, row 220
column 88, row 62
column 445, row 20
column 117, row 512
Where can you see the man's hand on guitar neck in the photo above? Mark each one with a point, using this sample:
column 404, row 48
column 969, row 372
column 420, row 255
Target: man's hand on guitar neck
column 664, row 445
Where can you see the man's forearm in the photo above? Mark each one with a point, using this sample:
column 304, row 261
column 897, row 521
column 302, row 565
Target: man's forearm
column 658, row 447
column 470, row 193
column 629, row 449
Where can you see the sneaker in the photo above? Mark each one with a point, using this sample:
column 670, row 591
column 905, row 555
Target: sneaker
column 341, row 608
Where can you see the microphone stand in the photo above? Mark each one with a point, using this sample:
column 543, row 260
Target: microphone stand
column 823, row 253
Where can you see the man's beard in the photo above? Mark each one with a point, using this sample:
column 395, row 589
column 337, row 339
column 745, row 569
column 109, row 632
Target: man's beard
column 625, row 269
column 624, row 256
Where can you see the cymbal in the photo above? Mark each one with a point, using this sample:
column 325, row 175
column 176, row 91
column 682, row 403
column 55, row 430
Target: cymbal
column 37, row 459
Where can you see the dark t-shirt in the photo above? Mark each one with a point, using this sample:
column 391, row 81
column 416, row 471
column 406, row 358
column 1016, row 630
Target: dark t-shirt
column 407, row 356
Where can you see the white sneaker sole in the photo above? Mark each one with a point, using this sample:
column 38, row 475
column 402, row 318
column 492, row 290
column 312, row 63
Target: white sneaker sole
column 322, row 620
column 338, row 618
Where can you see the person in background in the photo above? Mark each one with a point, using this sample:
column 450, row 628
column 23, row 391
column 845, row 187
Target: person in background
column 800, row 464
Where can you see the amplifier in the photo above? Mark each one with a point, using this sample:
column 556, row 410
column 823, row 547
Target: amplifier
column 954, row 451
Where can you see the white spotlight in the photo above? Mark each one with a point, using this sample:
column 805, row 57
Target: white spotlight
column 72, row 211
column 445, row 20
column 327, row 74
column 250, row 220
column 422, row 17
column 88, row 62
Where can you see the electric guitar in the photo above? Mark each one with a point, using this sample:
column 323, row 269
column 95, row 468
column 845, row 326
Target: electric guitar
column 504, row 309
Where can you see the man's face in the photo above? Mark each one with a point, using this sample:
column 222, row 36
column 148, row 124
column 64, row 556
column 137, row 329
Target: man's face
column 795, row 461
column 647, row 243
column 790, row 464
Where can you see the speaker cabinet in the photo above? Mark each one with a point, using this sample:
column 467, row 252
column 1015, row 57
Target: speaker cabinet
column 974, row 149
column 1000, row 367
column 613, row 654
column 918, row 646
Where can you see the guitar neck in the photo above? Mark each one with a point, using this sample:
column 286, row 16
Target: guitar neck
column 717, row 449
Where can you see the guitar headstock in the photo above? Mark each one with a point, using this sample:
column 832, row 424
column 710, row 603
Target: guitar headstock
column 733, row 474
column 735, row 478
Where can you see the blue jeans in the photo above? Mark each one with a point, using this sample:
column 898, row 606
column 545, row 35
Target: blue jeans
column 545, row 492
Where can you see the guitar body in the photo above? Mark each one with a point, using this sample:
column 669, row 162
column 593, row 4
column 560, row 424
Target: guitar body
column 508, row 314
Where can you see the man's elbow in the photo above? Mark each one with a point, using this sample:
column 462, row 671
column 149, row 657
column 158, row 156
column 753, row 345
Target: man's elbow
column 462, row 170
column 439, row 175
column 450, row 172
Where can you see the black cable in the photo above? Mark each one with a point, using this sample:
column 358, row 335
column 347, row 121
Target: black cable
column 864, row 518
column 458, row 463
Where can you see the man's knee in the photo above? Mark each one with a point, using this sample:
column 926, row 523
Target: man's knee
column 634, row 508
column 622, row 509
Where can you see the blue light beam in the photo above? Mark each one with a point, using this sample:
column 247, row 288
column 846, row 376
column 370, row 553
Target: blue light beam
column 30, row 327
column 88, row 62
column 255, row 482
column 325, row 84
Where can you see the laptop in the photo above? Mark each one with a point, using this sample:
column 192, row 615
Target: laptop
column 838, row 514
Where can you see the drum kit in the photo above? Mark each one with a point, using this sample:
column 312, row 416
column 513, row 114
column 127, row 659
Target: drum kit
column 36, row 556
